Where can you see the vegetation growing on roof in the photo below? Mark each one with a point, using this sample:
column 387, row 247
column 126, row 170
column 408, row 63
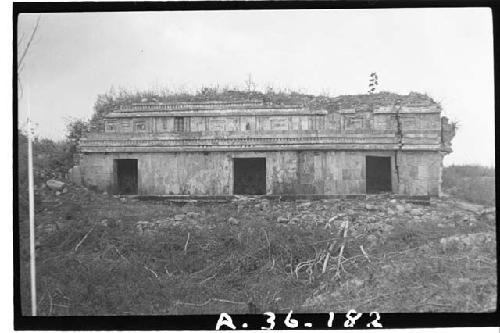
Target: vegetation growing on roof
column 113, row 99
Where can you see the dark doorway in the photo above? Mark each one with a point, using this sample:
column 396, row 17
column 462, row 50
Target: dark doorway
column 378, row 174
column 126, row 176
column 250, row 176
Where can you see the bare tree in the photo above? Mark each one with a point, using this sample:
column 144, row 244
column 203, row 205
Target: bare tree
column 24, row 49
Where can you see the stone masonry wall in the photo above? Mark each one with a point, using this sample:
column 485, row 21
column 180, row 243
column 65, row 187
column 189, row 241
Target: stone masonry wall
column 287, row 172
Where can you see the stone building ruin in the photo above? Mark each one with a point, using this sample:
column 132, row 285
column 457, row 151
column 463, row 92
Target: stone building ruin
column 350, row 145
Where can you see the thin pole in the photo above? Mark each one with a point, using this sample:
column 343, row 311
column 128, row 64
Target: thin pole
column 31, row 211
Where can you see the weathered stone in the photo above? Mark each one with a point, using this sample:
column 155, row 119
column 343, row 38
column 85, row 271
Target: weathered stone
column 282, row 219
column 400, row 209
column 149, row 232
column 179, row 217
column 355, row 283
column 233, row 221
column 308, row 217
column 416, row 212
column 55, row 185
column 477, row 209
column 193, row 215
column 490, row 210
column 304, row 205
column 74, row 175
column 58, row 193
column 491, row 218
column 381, row 227
column 462, row 242
column 65, row 190
column 372, row 240
column 284, row 136
column 371, row 207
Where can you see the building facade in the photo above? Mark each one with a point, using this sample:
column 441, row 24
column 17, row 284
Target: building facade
column 252, row 147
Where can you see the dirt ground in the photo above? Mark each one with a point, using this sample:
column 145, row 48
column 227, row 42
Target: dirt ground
column 104, row 255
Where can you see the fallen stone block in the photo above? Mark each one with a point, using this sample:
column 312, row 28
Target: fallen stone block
column 74, row 175
column 193, row 215
column 282, row 219
column 179, row 217
column 55, row 185
column 416, row 212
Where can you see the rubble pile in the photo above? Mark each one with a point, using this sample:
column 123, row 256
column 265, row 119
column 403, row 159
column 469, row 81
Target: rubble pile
column 340, row 251
column 373, row 218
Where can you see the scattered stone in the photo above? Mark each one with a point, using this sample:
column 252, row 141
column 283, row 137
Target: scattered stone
column 355, row 283
column 55, row 185
column 193, row 215
column 282, row 219
column 304, row 205
column 163, row 221
column 104, row 193
column 233, row 221
column 295, row 220
column 240, row 207
column 491, row 218
column 381, row 227
column 372, row 240
column 417, row 212
column 65, row 190
column 462, row 242
column 58, row 193
column 339, row 224
column 491, row 210
column 489, row 214
column 104, row 222
column 149, row 232
column 371, row 207
column 309, row 217
column 124, row 200
column 179, row 217
column 477, row 209
column 391, row 211
column 400, row 209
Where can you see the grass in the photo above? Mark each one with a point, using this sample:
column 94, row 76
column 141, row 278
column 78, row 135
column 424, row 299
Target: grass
column 473, row 183
column 94, row 258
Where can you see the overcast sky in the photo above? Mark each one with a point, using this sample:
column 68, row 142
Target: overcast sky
column 446, row 53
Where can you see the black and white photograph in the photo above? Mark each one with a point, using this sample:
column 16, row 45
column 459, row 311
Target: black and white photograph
column 272, row 161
